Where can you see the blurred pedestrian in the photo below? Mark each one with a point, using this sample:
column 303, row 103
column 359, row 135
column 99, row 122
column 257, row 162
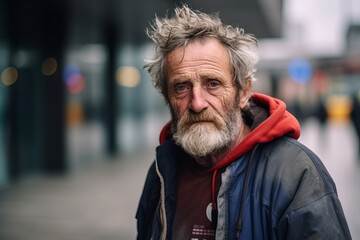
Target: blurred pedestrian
column 355, row 118
column 229, row 165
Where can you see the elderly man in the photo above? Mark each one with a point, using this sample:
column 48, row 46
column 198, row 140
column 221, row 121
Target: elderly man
column 228, row 165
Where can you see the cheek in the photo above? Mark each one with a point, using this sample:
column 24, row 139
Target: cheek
column 224, row 102
column 178, row 107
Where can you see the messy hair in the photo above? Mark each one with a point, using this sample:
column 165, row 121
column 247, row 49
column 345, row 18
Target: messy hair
column 188, row 25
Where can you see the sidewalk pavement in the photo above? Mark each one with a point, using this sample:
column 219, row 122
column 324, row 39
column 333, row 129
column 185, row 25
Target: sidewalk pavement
column 99, row 201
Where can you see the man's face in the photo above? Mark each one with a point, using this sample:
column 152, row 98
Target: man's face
column 203, row 98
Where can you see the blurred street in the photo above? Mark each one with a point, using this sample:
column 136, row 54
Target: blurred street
column 100, row 200
column 97, row 202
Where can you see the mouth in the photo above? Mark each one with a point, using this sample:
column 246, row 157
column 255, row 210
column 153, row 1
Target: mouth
column 200, row 122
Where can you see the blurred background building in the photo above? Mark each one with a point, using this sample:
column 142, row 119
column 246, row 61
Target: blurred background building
column 72, row 85
column 73, row 90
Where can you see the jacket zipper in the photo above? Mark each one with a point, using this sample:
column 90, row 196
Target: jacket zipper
column 239, row 224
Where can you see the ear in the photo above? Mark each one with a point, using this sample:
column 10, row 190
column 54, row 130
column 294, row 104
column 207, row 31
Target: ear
column 245, row 93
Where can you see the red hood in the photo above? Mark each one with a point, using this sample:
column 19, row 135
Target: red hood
column 279, row 123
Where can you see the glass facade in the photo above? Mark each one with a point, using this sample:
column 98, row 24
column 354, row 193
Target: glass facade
column 141, row 108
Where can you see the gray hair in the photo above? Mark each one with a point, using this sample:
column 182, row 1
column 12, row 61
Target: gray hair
column 188, row 25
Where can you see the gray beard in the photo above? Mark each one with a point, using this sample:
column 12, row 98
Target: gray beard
column 205, row 139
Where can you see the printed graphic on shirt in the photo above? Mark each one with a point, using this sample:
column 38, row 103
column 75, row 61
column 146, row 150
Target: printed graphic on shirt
column 208, row 212
column 201, row 232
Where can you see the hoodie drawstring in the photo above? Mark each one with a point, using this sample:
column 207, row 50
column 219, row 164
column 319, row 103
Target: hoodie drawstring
column 214, row 212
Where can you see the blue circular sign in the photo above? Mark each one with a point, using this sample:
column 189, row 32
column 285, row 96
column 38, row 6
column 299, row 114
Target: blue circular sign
column 300, row 70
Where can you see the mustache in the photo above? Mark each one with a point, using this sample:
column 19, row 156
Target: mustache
column 190, row 117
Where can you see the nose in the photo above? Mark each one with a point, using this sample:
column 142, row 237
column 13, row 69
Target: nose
column 198, row 100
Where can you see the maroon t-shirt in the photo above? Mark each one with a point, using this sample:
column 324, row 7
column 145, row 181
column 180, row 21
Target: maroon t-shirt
column 193, row 203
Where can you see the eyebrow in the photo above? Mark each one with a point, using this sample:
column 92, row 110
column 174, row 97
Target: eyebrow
column 180, row 78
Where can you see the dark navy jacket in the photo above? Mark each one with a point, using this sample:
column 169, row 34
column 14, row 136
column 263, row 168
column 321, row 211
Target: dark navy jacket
column 288, row 194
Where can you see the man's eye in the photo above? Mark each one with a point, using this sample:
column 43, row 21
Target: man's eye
column 213, row 84
column 181, row 87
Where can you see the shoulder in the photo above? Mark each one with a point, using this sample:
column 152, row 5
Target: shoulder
column 286, row 145
column 297, row 169
column 291, row 155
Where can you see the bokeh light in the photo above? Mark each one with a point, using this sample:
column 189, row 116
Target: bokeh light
column 74, row 79
column 49, row 66
column 128, row 76
column 9, row 76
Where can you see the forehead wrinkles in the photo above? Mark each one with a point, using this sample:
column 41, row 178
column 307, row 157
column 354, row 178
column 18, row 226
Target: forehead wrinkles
column 201, row 66
column 209, row 55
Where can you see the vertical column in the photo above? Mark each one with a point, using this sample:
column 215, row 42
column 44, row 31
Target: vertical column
column 52, row 42
column 111, row 106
